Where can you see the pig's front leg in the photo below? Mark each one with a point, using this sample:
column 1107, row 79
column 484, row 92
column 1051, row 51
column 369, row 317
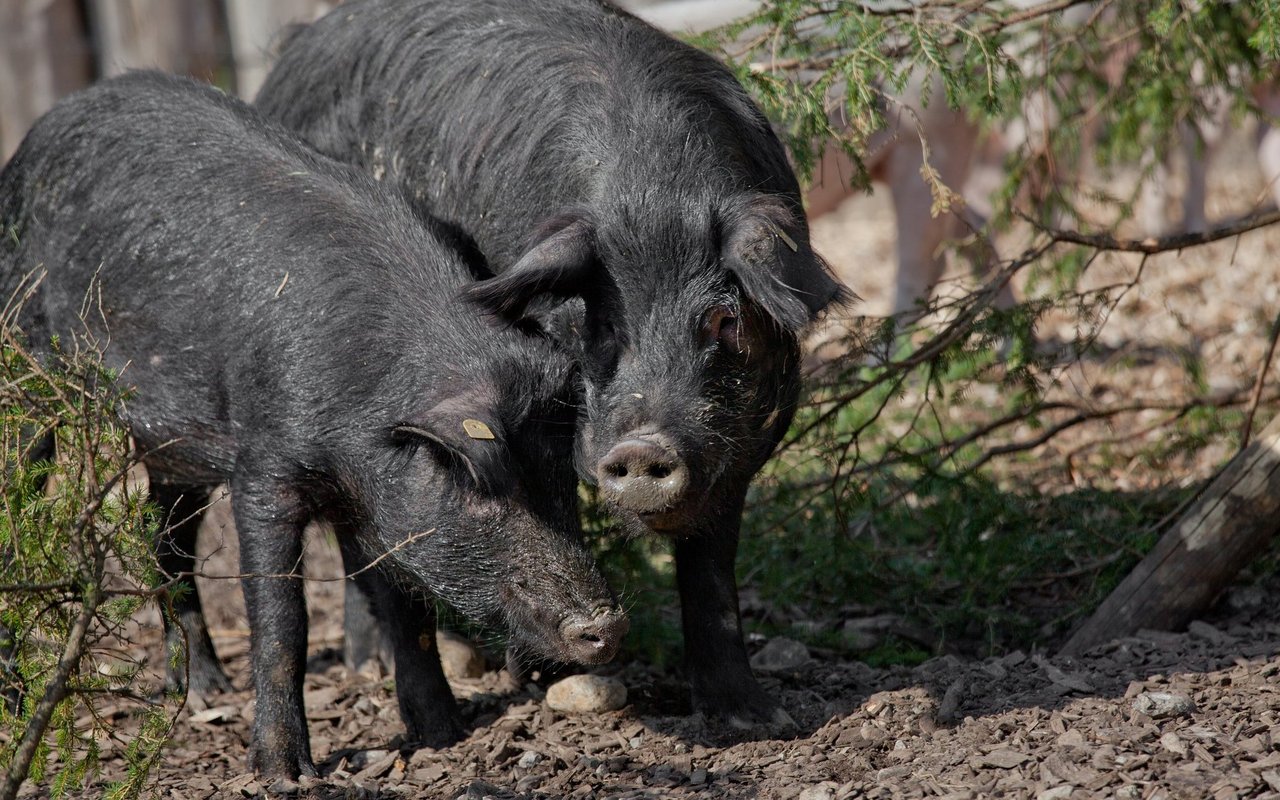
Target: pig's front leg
column 270, row 517
column 427, row 706
column 715, row 656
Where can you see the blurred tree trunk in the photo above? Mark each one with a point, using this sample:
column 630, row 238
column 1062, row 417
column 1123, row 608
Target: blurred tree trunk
column 1228, row 527
column 185, row 37
column 254, row 26
column 43, row 55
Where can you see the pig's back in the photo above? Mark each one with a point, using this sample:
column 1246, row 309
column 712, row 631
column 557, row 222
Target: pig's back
column 218, row 264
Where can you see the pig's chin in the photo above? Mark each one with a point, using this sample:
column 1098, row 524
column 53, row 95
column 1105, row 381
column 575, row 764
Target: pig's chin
column 680, row 520
column 587, row 636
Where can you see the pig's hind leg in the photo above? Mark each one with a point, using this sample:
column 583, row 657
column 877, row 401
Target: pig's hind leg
column 181, row 509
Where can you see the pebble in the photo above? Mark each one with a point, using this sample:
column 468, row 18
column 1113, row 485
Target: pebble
column 1171, row 742
column 578, row 694
column 1161, row 705
column 528, row 760
column 780, row 654
column 461, row 659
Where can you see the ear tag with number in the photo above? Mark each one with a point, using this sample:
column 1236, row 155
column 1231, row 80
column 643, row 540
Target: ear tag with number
column 476, row 429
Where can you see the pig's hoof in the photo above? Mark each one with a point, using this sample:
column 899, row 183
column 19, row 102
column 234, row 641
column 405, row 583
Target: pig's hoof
column 281, row 765
column 435, row 734
column 748, row 712
column 209, row 679
column 775, row 720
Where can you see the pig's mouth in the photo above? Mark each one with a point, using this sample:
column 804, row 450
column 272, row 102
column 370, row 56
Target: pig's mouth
column 584, row 635
column 668, row 521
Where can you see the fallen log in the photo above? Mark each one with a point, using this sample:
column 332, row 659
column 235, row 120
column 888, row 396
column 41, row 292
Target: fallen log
column 1227, row 527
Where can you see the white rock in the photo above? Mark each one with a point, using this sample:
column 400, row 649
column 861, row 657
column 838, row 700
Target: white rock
column 461, row 659
column 1160, row 705
column 578, row 694
column 780, row 653
column 528, row 760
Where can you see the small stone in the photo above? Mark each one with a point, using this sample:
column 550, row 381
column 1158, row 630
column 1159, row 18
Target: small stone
column 459, row 657
column 1203, row 630
column 698, row 777
column 780, row 654
column 1173, row 744
column 1056, row 793
column 822, row 791
column 579, row 694
column 1161, row 705
column 364, row 758
column 528, row 760
column 1072, row 738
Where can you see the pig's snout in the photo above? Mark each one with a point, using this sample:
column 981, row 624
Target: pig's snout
column 594, row 639
column 643, row 474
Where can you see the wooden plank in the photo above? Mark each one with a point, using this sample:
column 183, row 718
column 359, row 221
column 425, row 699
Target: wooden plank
column 182, row 37
column 254, row 26
column 26, row 72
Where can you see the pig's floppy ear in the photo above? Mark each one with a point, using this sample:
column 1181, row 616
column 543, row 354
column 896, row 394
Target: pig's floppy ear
column 768, row 251
column 561, row 265
column 464, row 430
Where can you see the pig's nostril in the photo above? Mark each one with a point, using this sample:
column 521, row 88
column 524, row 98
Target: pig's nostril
column 643, row 474
column 594, row 639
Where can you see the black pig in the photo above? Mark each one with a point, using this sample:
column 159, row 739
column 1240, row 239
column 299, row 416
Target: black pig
column 588, row 154
column 287, row 325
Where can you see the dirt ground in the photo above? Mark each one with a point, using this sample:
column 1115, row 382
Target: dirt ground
column 1022, row 725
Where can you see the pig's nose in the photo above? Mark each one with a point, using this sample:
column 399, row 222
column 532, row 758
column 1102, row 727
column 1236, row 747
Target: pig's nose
column 643, row 474
column 595, row 639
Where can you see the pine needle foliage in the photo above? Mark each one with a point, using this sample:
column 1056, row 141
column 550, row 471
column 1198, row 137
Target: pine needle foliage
column 77, row 539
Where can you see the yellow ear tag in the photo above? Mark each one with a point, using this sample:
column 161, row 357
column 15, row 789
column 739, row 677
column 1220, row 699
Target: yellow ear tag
column 476, row 429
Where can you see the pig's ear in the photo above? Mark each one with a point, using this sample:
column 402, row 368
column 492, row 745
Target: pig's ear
column 562, row 264
column 768, row 251
column 463, row 432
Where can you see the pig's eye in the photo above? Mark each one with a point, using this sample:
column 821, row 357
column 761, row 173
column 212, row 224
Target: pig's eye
column 721, row 328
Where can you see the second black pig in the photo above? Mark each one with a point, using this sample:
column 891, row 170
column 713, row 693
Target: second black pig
column 285, row 324
column 588, row 154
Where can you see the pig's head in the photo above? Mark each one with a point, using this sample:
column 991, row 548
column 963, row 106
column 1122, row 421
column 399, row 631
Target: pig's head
column 479, row 482
column 688, row 344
